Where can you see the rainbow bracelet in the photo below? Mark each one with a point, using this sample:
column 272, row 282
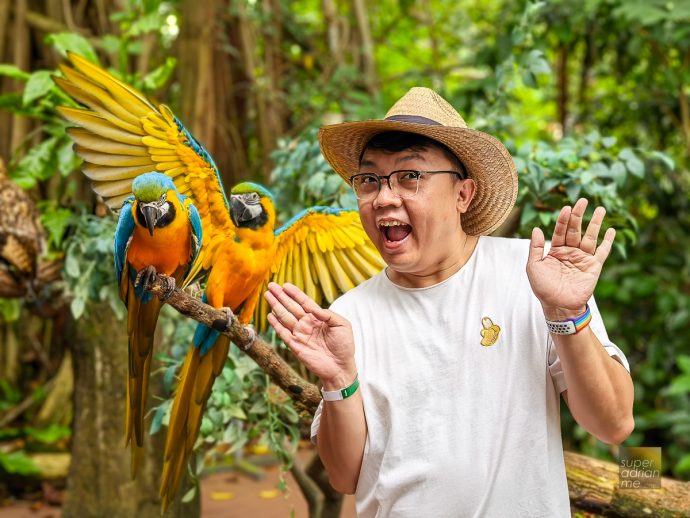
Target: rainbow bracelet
column 570, row 326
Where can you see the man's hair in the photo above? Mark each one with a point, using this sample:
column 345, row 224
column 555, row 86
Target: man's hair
column 396, row 141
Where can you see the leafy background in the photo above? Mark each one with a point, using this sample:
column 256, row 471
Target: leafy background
column 591, row 99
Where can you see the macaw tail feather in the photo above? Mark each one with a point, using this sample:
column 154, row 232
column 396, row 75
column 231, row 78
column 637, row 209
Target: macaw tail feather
column 137, row 453
column 141, row 326
column 199, row 371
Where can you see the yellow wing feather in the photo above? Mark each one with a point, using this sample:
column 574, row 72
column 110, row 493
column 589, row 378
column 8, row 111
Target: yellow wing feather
column 325, row 252
column 121, row 134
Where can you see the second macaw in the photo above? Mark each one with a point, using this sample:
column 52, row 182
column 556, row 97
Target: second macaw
column 239, row 267
column 159, row 230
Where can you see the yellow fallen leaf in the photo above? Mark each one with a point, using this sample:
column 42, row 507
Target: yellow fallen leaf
column 259, row 449
column 222, row 495
column 269, row 493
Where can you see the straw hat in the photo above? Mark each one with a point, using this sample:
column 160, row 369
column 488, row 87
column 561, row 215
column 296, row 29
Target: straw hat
column 424, row 112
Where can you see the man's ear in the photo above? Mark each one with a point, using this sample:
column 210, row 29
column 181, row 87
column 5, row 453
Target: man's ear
column 466, row 191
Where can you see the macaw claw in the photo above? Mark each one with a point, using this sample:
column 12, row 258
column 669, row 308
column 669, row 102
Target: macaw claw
column 251, row 336
column 145, row 277
column 224, row 325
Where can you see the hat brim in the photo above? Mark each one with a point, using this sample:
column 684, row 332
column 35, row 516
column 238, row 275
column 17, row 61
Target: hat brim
column 487, row 161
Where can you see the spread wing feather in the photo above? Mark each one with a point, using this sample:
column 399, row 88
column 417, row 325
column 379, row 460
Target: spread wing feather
column 121, row 134
column 325, row 252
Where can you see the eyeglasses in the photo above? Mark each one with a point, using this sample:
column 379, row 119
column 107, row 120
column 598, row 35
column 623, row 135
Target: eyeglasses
column 403, row 183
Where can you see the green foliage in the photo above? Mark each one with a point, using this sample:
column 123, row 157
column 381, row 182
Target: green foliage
column 244, row 407
column 65, row 42
column 615, row 72
column 89, row 259
column 302, row 178
column 49, row 435
column 17, row 463
column 556, row 174
column 9, row 396
column 36, row 439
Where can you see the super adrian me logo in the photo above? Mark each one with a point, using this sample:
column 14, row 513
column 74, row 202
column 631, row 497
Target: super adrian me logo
column 639, row 468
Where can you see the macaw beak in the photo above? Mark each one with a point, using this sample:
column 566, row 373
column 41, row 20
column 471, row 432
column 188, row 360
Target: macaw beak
column 241, row 212
column 236, row 209
column 150, row 216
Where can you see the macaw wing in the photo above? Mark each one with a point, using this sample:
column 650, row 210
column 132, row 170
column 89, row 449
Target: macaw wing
column 325, row 252
column 197, row 234
column 123, row 233
column 121, row 135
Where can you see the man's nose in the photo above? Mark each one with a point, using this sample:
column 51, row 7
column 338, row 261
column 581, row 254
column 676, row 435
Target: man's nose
column 386, row 196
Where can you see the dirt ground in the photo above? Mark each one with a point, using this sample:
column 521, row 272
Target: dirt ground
column 224, row 495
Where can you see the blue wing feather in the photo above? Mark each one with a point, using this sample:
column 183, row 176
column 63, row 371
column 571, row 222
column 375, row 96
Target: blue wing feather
column 197, row 232
column 123, row 233
column 311, row 210
column 204, row 336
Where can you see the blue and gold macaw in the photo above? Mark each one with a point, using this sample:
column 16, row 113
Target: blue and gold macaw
column 322, row 250
column 159, row 230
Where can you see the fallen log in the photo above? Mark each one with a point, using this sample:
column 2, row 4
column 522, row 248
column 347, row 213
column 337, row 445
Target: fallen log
column 594, row 486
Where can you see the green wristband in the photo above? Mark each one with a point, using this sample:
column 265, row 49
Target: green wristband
column 338, row 395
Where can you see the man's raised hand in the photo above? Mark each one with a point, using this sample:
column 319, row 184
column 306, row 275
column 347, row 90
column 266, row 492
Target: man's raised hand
column 321, row 339
column 565, row 278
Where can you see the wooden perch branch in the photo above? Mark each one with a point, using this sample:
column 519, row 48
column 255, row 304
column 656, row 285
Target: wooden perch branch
column 303, row 393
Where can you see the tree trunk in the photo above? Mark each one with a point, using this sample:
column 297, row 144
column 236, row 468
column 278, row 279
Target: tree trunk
column 562, row 70
column 333, row 32
column 593, row 486
column 213, row 85
column 265, row 135
column 368, row 59
column 22, row 45
column 99, row 481
column 196, row 72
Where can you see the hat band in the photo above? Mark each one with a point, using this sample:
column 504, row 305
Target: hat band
column 415, row 119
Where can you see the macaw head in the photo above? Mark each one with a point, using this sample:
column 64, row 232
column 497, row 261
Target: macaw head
column 251, row 205
column 153, row 207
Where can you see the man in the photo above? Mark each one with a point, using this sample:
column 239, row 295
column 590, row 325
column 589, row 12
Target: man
column 460, row 356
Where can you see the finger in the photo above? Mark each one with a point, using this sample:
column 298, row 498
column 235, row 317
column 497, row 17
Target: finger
column 573, row 234
column 558, row 238
column 307, row 303
column 286, row 300
column 282, row 331
column 589, row 240
column 604, row 249
column 286, row 336
column 536, row 246
column 283, row 315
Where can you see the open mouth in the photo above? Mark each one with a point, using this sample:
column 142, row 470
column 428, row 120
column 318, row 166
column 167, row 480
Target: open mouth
column 394, row 231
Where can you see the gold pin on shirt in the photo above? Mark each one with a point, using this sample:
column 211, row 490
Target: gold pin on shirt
column 489, row 332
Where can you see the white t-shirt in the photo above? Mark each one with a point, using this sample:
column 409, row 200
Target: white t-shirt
column 457, row 427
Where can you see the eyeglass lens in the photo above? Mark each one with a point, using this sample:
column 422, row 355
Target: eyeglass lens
column 402, row 183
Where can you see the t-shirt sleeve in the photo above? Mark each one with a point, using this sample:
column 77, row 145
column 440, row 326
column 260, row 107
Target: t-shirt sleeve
column 597, row 325
column 316, row 422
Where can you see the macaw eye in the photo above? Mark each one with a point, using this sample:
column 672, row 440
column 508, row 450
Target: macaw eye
column 164, row 198
column 253, row 198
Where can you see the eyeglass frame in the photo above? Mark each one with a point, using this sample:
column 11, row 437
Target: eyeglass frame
column 379, row 179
